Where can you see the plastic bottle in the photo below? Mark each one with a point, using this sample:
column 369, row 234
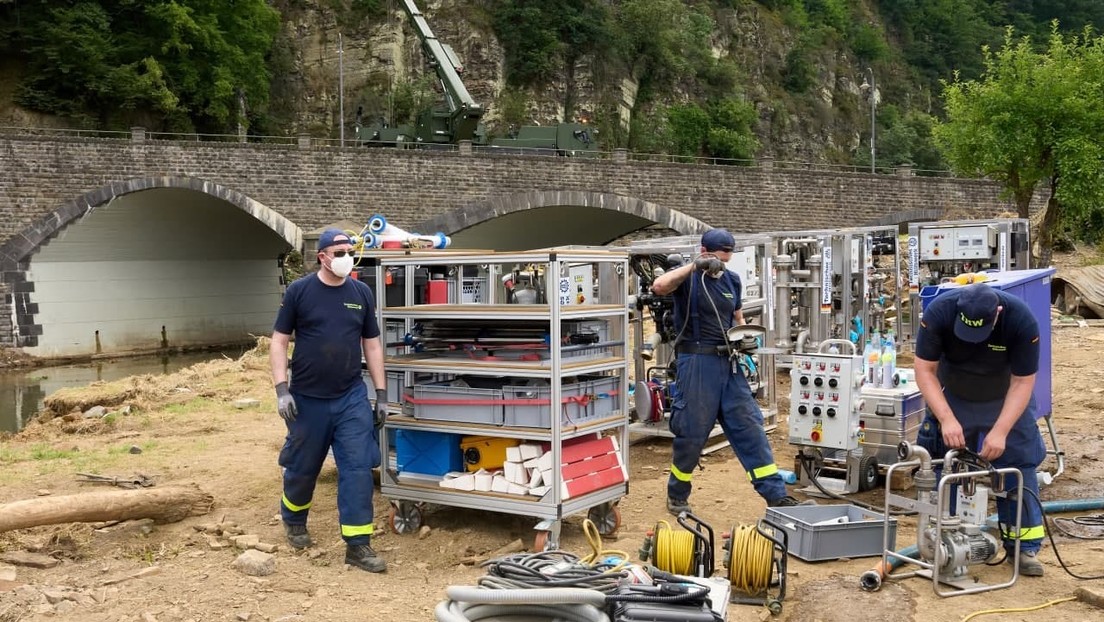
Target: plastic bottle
column 788, row 476
column 889, row 361
column 874, row 360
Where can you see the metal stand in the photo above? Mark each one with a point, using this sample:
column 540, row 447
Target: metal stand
column 947, row 544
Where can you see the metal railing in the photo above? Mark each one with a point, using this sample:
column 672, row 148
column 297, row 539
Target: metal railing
column 335, row 143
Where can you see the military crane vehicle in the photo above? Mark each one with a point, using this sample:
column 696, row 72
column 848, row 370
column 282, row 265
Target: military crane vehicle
column 459, row 116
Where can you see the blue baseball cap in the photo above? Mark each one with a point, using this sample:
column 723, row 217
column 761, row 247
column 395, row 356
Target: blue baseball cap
column 331, row 237
column 977, row 313
column 718, row 240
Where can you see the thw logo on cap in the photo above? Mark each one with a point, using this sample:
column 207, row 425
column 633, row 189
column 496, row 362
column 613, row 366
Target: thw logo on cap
column 978, row 323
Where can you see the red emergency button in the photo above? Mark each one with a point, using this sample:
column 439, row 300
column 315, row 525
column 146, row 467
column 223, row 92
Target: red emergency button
column 815, row 436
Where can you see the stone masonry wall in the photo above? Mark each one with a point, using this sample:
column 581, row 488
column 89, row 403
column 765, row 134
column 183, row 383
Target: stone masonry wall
column 313, row 186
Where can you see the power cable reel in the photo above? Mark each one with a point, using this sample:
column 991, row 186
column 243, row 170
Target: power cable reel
column 687, row 553
column 755, row 556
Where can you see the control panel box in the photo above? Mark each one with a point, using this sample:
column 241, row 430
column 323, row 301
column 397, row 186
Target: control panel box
column 957, row 243
column 824, row 395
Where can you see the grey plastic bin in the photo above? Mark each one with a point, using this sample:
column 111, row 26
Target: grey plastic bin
column 394, row 385
column 585, row 399
column 529, row 406
column 605, row 396
column 814, row 534
column 446, row 402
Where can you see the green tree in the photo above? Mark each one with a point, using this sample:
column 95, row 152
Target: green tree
column 1034, row 117
column 544, row 39
column 689, row 126
column 732, row 130
column 665, row 42
column 904, row 137
column 186, row 63
column 939, row 37
column 723, row 129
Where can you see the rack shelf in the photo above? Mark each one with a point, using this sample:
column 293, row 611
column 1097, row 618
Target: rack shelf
column 406, row 422
column 501, row 312
column 444, row 302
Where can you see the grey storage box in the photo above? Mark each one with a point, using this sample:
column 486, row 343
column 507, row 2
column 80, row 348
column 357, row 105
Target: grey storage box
column 530, row 406
column 394, row 385
column 451, row 402
column 585, row 399
column 820, row 532
column 605, row 396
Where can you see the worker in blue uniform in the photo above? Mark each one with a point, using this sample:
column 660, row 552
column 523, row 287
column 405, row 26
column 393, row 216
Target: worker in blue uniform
column 325, row 401
column 708, row 385
column 977, row 353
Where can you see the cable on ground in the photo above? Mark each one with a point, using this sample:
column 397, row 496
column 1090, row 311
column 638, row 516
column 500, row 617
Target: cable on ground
column 1090, row 520
column 1049, row 523
column 600, row 557
column 1018, row 609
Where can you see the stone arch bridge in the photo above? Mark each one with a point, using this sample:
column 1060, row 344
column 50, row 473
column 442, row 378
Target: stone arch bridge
column 131, row 244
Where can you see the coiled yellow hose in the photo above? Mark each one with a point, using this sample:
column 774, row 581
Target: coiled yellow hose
column 674, row 550
column 751, row 560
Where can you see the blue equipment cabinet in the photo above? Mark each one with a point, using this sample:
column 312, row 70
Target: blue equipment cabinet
column 1033, row 287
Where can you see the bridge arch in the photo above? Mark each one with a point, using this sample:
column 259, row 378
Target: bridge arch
column 34, row 235
column 541, row 219
column 146, row 264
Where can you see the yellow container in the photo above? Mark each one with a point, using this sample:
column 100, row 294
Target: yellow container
column 485, row 452
column 971, row 277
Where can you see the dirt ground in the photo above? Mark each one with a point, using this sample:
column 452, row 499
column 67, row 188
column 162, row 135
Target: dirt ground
column 186, row 428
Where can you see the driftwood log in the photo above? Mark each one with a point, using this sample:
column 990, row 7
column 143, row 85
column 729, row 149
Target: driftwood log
column 164, row 505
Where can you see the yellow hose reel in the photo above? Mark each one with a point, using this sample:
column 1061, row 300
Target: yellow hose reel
column 755, row 556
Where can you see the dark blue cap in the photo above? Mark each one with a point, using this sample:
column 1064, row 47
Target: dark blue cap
column 718, row 239
column 330, row 237
column 977, row 313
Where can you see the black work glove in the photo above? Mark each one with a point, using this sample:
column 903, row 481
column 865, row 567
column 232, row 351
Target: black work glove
column 285, row 403
column 709, row 264
column 380, row 411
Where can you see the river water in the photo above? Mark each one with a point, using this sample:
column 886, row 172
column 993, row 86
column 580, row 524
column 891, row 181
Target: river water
column 22, row 391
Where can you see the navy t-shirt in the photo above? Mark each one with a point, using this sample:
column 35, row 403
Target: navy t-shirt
column 328, row 323
column 979, row 372
column 690, row 297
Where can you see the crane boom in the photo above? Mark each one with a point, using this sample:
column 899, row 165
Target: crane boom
column 464, row 113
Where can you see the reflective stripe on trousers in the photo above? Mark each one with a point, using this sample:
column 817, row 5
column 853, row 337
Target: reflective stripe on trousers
column 707, row 392
column 346, row 424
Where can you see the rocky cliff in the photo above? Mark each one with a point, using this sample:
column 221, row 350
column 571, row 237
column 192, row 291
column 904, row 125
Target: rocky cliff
column 823, row 123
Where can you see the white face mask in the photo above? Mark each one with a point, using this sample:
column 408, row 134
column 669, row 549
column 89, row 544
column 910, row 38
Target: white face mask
column 342, row 266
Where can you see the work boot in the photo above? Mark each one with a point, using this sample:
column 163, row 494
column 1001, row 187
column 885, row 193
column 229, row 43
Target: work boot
column 362, row 556
column 297, row 536
column 1030, row 566
column 789, row 501
column 676, row 506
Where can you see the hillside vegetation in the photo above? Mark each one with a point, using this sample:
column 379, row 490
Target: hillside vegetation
column 729, row 79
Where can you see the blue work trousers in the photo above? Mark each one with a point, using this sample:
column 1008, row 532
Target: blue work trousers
column 1023, row 450
column 346, row 424
column 707, row 391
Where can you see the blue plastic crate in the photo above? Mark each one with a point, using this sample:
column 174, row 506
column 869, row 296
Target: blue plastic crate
column 428, row 453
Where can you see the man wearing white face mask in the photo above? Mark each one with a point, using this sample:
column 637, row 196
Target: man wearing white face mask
column 326, row 404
